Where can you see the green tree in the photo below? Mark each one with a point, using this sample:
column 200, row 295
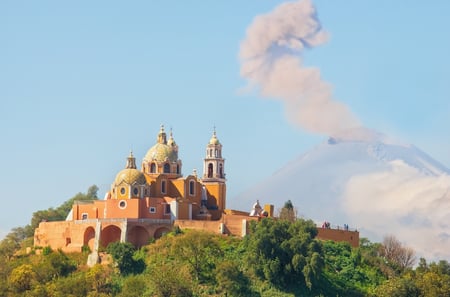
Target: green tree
column 199, row 250
column 441, row 267
column 133, row 285
column 22, row 278
column 75, row 286
column 99, row 276
column 348, row 270
column 433, row 284
column 168, row 280
column 231, row 280
column 54, row 265
column 285, row 253
column 123, row 254
column 9, row 245
column 398, row 287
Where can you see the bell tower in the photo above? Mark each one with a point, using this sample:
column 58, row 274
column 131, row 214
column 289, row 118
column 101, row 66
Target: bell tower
column 214, row 175
column 214, row 164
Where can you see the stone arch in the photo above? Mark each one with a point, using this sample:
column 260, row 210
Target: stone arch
column 89, row 238
column 138, row 236
column 160, row 232
column 110, row 234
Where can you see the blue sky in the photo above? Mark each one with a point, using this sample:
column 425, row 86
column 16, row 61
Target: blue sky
column 82, row 83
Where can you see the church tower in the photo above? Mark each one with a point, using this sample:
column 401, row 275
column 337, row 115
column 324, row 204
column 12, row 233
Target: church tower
column 214, row 173
column 213, row 165
column 162, row 158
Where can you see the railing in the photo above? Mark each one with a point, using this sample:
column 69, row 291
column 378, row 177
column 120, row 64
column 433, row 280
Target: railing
column 119, row 220
column 335, row 227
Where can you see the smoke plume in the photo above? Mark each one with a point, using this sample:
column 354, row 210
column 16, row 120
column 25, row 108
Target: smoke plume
column 271, row 61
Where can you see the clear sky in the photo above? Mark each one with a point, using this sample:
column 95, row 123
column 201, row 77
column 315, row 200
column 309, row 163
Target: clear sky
column 83, row 82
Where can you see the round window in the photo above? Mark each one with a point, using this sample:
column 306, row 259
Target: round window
column 135, row 191
column 122, row 191
column 122, row 204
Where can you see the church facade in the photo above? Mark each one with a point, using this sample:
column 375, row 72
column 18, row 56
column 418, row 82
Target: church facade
column 144, row 203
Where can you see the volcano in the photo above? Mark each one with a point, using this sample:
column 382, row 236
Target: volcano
column 377, row 186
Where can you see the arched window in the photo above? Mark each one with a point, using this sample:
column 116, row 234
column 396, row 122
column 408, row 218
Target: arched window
column 191, row 188
column 216, row 154
column 167, row 168
column 178, row 168
column 153, row 168
column 210, row 170
column 210, row 152
column 163, row 187
column 220, row 170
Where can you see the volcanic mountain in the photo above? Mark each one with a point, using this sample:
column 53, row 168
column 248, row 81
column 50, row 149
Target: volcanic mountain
column 375, row 185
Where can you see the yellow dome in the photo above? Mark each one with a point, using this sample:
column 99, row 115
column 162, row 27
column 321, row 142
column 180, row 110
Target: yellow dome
column 161, row 152
column 130, row 176
column 214, row 139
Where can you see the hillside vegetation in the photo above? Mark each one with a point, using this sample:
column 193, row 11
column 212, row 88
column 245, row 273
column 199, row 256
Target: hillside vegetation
column 280, row 257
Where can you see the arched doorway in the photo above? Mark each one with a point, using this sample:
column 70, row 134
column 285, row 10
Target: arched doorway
column 160, row 232
column 89, row 238
column 138, row 236
column 110, row 234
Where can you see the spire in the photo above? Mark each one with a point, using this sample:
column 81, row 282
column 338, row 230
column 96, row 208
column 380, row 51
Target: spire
column 214, row 139
column 171, row 141
column 162, row 135
column 131, row 161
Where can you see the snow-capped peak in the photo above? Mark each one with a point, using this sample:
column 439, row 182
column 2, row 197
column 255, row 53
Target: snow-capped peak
column 364, row 179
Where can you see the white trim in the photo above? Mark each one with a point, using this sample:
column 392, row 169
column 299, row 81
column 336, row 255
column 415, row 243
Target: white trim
column 120, row 204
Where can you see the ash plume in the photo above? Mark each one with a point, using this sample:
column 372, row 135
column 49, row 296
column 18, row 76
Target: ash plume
column 271, row 62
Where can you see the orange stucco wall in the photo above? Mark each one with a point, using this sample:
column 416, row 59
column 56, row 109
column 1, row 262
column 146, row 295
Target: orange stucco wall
column 216, row 194
column 122, row 208
column 71, row 236
column 63, row 235
column 230, row 225
column 351, row 237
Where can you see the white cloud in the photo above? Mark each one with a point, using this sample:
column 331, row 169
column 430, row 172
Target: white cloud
column 413, row 206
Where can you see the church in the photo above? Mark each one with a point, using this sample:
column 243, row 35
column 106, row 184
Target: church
column 143, row 204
